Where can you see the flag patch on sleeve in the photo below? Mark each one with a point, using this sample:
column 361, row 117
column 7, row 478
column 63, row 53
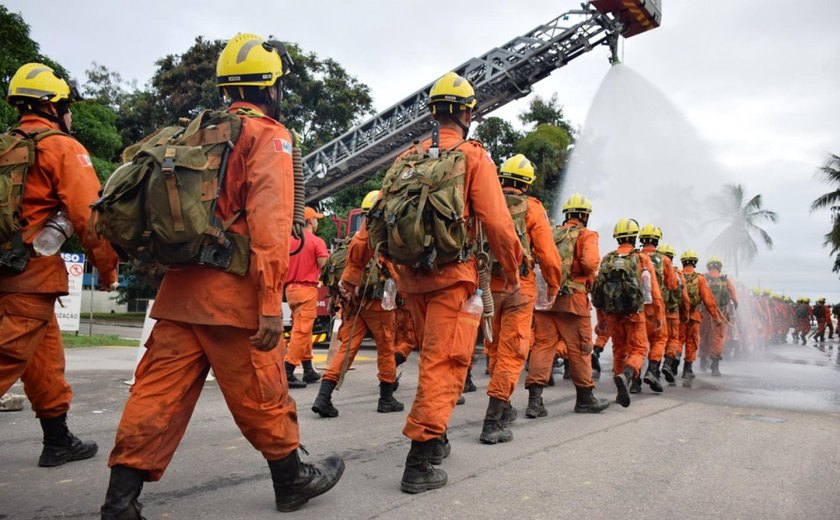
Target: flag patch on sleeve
column 282, row 145
column 84, row 160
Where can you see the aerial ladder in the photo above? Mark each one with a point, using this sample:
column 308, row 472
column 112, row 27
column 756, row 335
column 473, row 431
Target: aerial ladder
column 499, row 76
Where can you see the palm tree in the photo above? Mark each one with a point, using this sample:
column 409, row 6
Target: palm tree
column 740, row 217
column 830, row 172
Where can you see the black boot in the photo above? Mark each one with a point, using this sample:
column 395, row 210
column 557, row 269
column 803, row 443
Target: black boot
column 567, row 372
column 668, row 369
column 323, row 401
column 399, row 358
column 535, row 408
column 551, row 379
column 419, row 474
column 509, row 415
column 636, row 386
column 469, row 386
column 622, row 385
column 61, row 446
column 293, row 381
column 493, row 430
column 461, row 400
column 124, row 487
column 310, row 375
column 586, row 401
column 716, row 367
column 387, row 403
column 296, row 482
column 675, row 367
column 440, row 450
column 652, row 376
column 688, row 373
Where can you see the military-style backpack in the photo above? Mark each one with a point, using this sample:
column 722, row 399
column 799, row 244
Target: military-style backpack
column 692, row 286
column 518, row 207
column 565, row 240
column 802, row 310
column 720, row 290
column 17, row 155
column 419, row 220
column 819, row 311
column 672, row 298
column 159, row 206
column 618, row 286
column 334, row 268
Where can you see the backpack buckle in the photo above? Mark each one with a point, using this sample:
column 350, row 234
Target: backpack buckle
column 168, row 164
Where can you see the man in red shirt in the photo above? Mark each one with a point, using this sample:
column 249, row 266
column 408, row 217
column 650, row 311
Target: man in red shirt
column 302, row 297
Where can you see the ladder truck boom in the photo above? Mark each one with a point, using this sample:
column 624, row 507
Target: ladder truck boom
column 501, row 75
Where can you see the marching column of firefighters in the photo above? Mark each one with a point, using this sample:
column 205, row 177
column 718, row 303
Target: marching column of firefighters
column 449, row 243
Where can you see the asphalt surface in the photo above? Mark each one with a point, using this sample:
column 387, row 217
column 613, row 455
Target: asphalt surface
column 128, row 329
column 761, row 442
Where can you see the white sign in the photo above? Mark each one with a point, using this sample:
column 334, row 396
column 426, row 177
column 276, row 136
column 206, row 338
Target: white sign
column 148, row 325
column 68, row 308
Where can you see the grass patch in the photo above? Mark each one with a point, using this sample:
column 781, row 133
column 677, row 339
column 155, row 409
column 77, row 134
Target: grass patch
column 116, row 316
column 97, row 340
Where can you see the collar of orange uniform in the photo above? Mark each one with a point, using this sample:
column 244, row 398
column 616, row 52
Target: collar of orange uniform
column 714, row 273
column 623, row 249
column 573, row 222
column 689, row 269
column 512, row 190
column 648, row 248
column 32, row 120
column 445, row 130
column 236, row 105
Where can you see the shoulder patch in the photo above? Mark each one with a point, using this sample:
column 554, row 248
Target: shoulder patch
column 84, row 160
column 282, row 145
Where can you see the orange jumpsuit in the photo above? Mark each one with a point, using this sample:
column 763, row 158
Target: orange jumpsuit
column 692, row 326
column 355, row 325
column 828, row 324
column 822, row 314
column 30, row 340
column 569, row 322
column 446, row 334
column 673, row 347
column 803, row 325
column 628, row 332
column 302, row 295
column 515, row 312
column 720, row 326
column 659, row 337
column 205, row 318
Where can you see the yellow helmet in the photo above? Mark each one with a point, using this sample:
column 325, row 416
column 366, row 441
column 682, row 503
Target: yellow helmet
column 820, row 300
column 666, row 250
column 756, row 291
column 806, row 300
column 39, row 83
column 249, row 60
column 766, row 292
column 650, row 232
column 369, row 200
column 626, row 228
column 714, row 261
column 689, row 255
column 454, row 91
column 518, row 168
column 787, row 299
column 577, row 203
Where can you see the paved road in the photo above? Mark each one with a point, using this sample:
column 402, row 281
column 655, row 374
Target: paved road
column 762, row 442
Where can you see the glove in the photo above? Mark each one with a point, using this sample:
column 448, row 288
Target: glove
column 596, row 363
column 596, row 352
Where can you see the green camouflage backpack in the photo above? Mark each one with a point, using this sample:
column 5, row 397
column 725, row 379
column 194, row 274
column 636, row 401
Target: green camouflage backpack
column 565, row 239
column 334, row 268
column 692, row 286
column 518, row 207
column 673, row 299
column 819, row 311
column 618, row 286
column 802, row 310
column 159, row 206
column 419, row 220
column 720, row 291
column 17, row 155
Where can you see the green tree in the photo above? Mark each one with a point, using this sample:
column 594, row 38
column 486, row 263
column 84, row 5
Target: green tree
column 830, row 173
column 542, row 112
column 740, row 217
column 498, row 137
column 547, row 146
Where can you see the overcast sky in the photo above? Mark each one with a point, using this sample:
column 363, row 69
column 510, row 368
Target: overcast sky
column 757, row 80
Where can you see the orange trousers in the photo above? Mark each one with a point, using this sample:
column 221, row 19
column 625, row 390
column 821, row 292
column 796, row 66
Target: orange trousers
column 629, row 343
column 803, row 326
column 169, row 380
column 718, row 339
column 673, row 345
column 602, row 333
column 657, row 338
column 821, row 328
column 303, row 301
column 511, row 342
column 446, row 335
column 405, row 341
column 381, row 326
column 692, row 340
column 575, row 333
column 31, row 350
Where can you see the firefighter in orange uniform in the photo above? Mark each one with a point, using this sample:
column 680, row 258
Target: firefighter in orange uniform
column 359, row 317
column 515, row 312
column 724, row 292
column 804, row 314
column 210, row 318
column 302, row 296
column 62, row 179
column 676, row 304
column 650, row 236
column 602, row 336
column 822, row 313
column 568, row 321
column 627, row 326
column 446, row 334
column 698, row 292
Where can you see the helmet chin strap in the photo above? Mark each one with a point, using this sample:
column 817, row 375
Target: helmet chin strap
column 465, row 129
